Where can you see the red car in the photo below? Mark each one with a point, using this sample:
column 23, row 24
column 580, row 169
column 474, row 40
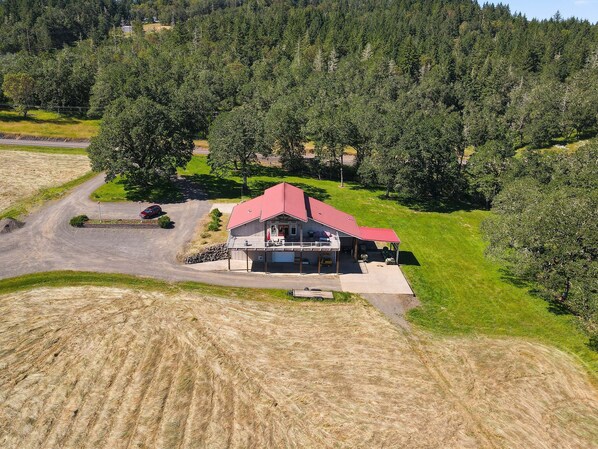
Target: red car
column 151, row 212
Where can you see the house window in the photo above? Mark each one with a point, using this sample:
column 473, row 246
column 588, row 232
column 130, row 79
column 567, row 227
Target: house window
column 293, row 230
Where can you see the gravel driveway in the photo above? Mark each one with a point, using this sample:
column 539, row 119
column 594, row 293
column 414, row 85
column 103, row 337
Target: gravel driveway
column 48, row 243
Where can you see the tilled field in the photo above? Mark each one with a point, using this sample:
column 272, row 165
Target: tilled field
column 96, row 367
column 23, row 173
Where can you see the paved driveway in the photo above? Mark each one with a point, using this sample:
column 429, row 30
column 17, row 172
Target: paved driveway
column 48, row 242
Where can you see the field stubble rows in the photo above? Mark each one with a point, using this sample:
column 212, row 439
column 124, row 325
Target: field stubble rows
column 104, row 367
column 23, row 173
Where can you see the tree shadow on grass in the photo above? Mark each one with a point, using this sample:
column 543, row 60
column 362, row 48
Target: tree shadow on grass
column 434, row 205
column 165, row 192
column 269, row 170
column 422, row 204
column 257, row 188
column 216, row 187
column 554, row 306
column 62, row 120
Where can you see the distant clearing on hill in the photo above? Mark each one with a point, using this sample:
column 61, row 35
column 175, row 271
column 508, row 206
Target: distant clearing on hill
column 104, row 367
column 23, row 173
column 47, row 125
column 155, row 27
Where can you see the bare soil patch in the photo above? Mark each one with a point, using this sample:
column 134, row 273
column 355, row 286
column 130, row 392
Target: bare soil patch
column 98, row 367
column 23, row 173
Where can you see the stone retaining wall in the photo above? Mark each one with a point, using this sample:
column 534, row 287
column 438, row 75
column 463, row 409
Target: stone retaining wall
column 209, row 254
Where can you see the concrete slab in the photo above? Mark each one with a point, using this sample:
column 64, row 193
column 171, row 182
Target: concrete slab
column 376, row 277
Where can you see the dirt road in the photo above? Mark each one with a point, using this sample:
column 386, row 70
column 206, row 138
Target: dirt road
column 49, row 243
column 45, row 143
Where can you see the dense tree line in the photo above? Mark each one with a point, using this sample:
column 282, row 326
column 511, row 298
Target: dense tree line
column 36, row 26
column 545, row 225
column 339, row 73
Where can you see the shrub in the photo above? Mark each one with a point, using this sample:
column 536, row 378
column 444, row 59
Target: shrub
column 164, row 222
column 214, row 226
column 216, row 213
column 79, row 220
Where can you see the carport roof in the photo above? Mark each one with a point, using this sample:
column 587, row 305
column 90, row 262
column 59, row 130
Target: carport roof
column 379, row 235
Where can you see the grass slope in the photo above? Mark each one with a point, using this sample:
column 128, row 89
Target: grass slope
column 47, row 124
column 442, row 255
column 57, row 279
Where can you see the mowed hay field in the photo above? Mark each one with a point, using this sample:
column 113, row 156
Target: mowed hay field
column 106, row 367
column 23, row 173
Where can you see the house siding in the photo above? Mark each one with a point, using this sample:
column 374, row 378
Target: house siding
column 251, row 229
column 255, row 229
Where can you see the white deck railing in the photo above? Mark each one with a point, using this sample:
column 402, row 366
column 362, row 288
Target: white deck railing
column 258, row 244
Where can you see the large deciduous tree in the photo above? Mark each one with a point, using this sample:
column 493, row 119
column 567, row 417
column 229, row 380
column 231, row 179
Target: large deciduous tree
column 384, row 163
column 329, row 126
column 141, row 140
column 547, row 229
column 236, row 138
column 486, row 168
column 20, row 89
column 284, row 124
column 433, row 148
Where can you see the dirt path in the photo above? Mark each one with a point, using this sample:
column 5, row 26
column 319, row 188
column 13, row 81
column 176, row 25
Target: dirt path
column 49, row 243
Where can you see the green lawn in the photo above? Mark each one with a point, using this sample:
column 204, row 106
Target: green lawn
column 115, row 280
column 117, row 190
column 47, row 150
column 442, row 255
column 47, row 124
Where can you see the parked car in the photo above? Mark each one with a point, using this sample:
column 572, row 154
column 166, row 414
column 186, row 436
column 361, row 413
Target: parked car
column 151, row 212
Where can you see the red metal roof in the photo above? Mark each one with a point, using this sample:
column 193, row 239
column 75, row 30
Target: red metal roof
column 379, row 235
column 245, row 212
column 285, row 199
column 290, row 200
column 329, row 216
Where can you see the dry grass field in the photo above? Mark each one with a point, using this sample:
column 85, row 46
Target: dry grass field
column 47, row 124
column 23, row 173
column 118, row 368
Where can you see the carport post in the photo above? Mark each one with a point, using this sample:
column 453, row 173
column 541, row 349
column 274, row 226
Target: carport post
column 247, row 260
column 397, row 246
column 301, row 262
column 319, row 262
column 338, row 262
column 228, row 253
column 265, row 261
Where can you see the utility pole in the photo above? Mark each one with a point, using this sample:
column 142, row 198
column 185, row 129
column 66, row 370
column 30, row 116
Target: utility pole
column 100, row 210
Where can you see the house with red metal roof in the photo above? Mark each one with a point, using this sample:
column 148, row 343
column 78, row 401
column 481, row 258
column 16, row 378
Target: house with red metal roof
column 285, row 225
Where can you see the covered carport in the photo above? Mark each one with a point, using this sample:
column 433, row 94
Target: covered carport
column 382, row 235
